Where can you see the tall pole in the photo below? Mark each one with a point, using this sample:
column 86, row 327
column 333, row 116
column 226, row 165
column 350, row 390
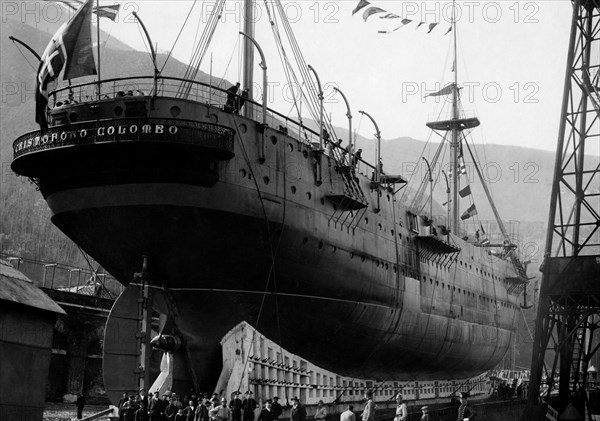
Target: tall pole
column 98, row 44
column 248, row 51
column 455, row 141
column 263, row 66
column 378, row 153
column 321, row 97
column 349, row 115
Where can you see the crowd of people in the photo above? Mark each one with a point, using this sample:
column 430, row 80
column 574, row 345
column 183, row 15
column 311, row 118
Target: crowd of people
column 173, row 407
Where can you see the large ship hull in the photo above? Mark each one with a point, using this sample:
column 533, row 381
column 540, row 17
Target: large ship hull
column 248, row 232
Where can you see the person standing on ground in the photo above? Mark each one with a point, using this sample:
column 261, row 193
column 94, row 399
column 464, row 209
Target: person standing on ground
column 464, row 410
column 425, row 412
column 401, row 410
column 348, row 414
column 276, row 408
column 249, row 406
column 221, row 412
column 80, row 403
column 321, row 412
column 266, row 414
column 202, row 410
column 298, row 412
column 236, row 407
column 369, row 411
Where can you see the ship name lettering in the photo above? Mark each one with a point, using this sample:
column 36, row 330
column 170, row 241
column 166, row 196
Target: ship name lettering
column 63, row 136
column 122, row 130
column 146, row 128
column 29, row 142
column 83, row 133
column 45, row 139
column 100, row 131
column 159, row 129
column 36, row 141
column 173, row 129
column 133, row 128
column 110, row 130
column 54, row 137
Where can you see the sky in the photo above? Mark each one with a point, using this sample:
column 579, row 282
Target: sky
column 511, row 59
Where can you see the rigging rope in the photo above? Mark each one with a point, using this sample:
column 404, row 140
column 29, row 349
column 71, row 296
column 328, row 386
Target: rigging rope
column 200, row 51
column 178, row 35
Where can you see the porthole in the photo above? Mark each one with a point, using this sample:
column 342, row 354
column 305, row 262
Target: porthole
column 308, row 195
column 118, row 110
column 243, row 128
column 320, row 245
column 380, row 227
column 266, row 179
column 366, row 221
column 175, row 111
column 274, row 140
column 243, row 173
column 214, row 118
column 333, row 249
column 73, row 117
column 293, row 189
column 392, row 232
column 305, row 154
column 290, row 147
column 322, row 201
column 377, row 263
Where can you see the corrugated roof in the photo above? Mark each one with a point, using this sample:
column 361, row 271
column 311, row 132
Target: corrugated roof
column 16, row 287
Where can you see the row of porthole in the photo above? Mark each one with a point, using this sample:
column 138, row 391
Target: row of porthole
column 484, row 273
column 293, row 189
column 378, row 263
column 465, row 292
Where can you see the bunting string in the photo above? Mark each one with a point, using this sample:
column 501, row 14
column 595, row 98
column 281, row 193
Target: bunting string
column 370, row 11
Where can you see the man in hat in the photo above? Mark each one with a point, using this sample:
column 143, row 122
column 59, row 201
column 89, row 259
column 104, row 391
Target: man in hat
column 266, row 414
column 401, row 410
column 348, row 414
column 236, row 407
column 321, row 412
column 221, row 412
column 298, row 412
column 425, row 412
column 276, row 408
column 171, row 409
column 249, row 405
column 369, row 411
column 156, row 407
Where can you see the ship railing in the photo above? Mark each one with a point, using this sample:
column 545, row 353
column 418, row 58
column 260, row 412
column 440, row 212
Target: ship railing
column 199, row 92
column 477, row 231
column 66, row 278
